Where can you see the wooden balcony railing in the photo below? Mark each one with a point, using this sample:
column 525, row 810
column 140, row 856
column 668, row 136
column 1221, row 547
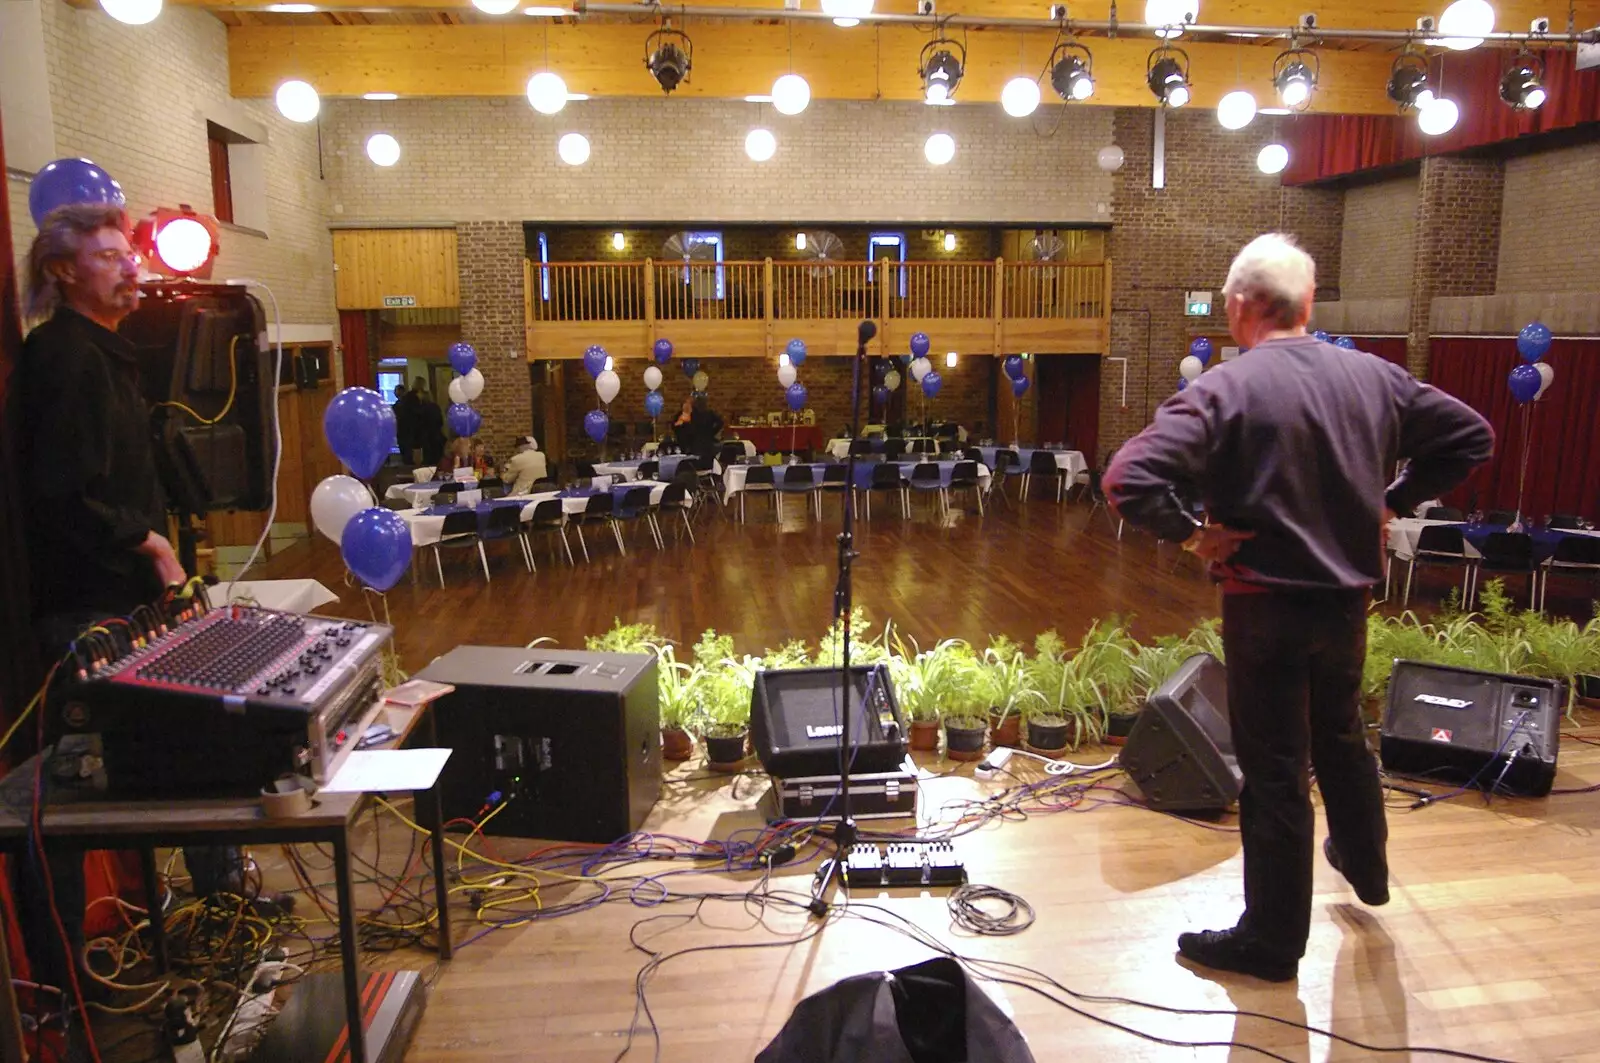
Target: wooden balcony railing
column 748, row 308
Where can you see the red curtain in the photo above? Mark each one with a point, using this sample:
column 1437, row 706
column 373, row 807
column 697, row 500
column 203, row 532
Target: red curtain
column 1389, row 348
column 1323, row 146
column 353, row 338
column 1563, row 432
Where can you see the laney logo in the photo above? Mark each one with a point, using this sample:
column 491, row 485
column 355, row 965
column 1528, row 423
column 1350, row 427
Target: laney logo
column 1444, row 703
column 827, row 731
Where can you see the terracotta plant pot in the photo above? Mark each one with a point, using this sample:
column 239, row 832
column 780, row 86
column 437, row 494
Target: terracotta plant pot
column 1005, row 732
column 676, row 744
column 964, row 737
column 925, row 735
column 1048, row 738
column 725, row 753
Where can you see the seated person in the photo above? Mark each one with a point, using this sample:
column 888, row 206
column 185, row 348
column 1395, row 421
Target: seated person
column 458, row 455
column 525, row 467
column 482, row 460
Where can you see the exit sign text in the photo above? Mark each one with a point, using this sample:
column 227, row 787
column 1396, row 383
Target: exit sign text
column 399, row 300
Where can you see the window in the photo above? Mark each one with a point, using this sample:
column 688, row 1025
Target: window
column 387, row 383
column 891, row 246
column 221, row 174
column 693, row 243
column 544, row 266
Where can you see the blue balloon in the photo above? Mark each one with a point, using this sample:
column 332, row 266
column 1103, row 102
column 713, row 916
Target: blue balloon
column 880, row 395
column 1321, row 336
column 463, row 359
column 1533, row 342
column 691, row 366
column 663, row 351
column 905, row 360
column 1020, row 386
column 1346, row 342
column 796, row 350
column 1183, row 385
column 68, row 181
column 920, row 344
column 463, row 419
column 594, row 360
column 376, row 546
column 1014, row 366
column 596, row 424
column 360, row 429
column 796, row 394
column 931, row 383
column 1200, row 347
column 654, row 404
column 1524, row 382
column 880, row 372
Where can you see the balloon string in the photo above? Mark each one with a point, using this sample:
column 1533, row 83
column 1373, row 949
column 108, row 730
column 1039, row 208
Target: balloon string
column 1522, row 476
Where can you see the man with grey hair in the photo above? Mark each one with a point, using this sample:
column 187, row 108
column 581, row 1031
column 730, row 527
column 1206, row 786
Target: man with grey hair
column 1287, row 451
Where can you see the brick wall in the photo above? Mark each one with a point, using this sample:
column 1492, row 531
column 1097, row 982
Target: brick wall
column 683, row 160
column 1375, row 254
column 1183, row 237
column 1456, row 250
column 135, row 98
column 1550, row 222
column 489, row 256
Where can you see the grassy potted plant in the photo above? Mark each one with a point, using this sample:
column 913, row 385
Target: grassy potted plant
column 1003, row 686
column 678, row 690
column 916, row 678
column 956, row 672
column 722, row 714
column 1071, row 708
column 1110, row 656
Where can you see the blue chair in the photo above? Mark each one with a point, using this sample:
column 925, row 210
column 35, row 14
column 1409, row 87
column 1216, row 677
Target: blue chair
column 925, row 477
column 492, row 487
column 1510, row 554
column 505, row 522
column 886, row 477
column 1576, row 555
column 446, row 495
column 675, row 498
column 834, row 478
column 1042, row 463
column 460, row 531
column 634, row 507
column 596, row 511
column 757, row 478
column 964, row 477
column 797, row 480
column 550, row 518
column 1441, row 545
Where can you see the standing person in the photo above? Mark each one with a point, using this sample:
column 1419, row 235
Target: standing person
column 1288, row 449
column 405, row 422
column 697, row 429
column 428, row 426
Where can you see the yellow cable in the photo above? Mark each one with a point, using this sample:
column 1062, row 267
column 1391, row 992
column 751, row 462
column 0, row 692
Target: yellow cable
column 233, row 386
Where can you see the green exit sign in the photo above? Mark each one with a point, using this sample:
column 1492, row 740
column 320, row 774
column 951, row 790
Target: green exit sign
column 399, row 300
column 1198, row 309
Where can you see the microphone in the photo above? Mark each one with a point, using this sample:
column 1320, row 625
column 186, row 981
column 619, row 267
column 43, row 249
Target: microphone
column 864, row 333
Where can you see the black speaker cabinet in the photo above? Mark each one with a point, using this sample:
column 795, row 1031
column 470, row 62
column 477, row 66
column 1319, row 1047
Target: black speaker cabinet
column 1459, row 725
column 795, row 722
column 571, row 740
column 1180, row 750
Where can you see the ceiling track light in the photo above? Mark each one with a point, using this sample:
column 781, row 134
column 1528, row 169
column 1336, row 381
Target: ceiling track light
column 668, row 55
column 1167, row 74
column 1408, row 78
column 1522, row 85
column 1072, row 72
column 942, row 63
column 1294, row 75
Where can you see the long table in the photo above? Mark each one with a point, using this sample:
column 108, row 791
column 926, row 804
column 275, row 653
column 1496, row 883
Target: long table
column 1404, row 532
column 733, row 477
column 428, row 524
column 768, row 439
column 1070, row 462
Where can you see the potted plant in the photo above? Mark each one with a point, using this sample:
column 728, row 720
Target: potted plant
column 955, row 673
column 1003, row 686
column 916, row 679
column 1071, row 709
column 723, row 702
column 677, row 686
column 1111, row 657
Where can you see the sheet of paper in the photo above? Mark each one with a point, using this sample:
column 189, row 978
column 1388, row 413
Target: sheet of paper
column 368, row 771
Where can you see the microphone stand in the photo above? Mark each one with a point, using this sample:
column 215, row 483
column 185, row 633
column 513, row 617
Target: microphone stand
column 844, row 835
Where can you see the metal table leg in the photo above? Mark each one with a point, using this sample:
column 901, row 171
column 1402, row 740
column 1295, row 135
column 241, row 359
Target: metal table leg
column 349, row 950
column 152, row 895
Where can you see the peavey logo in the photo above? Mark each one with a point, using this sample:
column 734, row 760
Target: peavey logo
column 832, row 730
column 1443, row 703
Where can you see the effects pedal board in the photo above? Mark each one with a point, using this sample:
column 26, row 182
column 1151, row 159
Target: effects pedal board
column 913, row 864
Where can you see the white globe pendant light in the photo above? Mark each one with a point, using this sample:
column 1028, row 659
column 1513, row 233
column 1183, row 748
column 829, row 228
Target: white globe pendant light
column 940, row 148
column 790, row 94
column 496, row 7
column 1020, row 97
column 547, row 92
column 1467, row 21
column 1438, row 115
column 1272, row 159
column 760, row 144
column 132, row 12
column 383, row 149
column 1236, row 110
column 1170, row 15
column 573, row 149
column 298, row 101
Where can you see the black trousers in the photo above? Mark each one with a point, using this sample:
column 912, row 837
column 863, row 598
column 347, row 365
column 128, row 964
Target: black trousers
column 1294, row 693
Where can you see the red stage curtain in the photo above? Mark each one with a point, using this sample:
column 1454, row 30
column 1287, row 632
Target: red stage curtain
column 353, row 338
column 1389, row 348
column 1563, row 431
column 1324, row 146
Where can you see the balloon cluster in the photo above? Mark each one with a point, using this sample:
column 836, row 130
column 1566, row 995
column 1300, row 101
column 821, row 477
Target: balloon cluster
column 375, row 542
column 1194, row 363
column 467, row 386
column 65, row 182
column 1530, row 380
column 1016, row 370
column 653, row 402
column 886, row 380
column 789, row 363
column 921, row 369
column 596, row 423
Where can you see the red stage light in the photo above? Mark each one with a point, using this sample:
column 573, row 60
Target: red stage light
column 178, row 243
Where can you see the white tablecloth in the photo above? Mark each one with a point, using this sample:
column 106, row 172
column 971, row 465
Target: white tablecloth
column 420, row 497
column 622, row 470
column 289, row 595
column 1403, row 533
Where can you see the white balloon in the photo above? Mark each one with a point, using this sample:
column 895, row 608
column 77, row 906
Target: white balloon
column 457, row 390
column 472, row 385
column 652, row 378
column 787, row 375
column 701, row 380
column 607, row 384
column 1546, row 375
column 1190, row 368
column 920, row 367
column 334, row 501
column 891, row 380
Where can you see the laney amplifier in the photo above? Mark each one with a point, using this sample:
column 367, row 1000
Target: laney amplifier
column 1458, row 724
column 796, row 721
column 879, row 795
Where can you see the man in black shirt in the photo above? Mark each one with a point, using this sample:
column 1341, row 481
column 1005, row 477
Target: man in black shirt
column 1289, row 449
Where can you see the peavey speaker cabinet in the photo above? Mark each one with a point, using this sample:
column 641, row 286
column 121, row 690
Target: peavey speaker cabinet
column 1459, row 725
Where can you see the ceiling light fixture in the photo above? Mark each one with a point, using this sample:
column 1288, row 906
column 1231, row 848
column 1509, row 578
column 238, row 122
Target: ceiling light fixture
column 1272, row 110
column 1171, row 16
column 847, row 13
column 799, row 245
column 132, row 12
column 668, row 55
column 1167, row 74
column 1020, row 97
column 1408, row 79
column 292, row 9
column 380, row 96
column 1467, row 22
column 790, row 94
column 949, row 241
column 618, row 241
column 1437, row 115
column 1072, row 72
column 1522, row 85
column 547, row 92
column 383, row 149
column 573, row 149
column 495, row 7
column 1272, row 159
column 574, row 97
column 1236, row 110
column 298, row 101
column 939, row 149
column 546, row 12
column 942, row 64
column 951, row 358
column 760, row 144
column 1294, row 75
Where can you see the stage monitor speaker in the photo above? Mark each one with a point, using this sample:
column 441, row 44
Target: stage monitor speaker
column 1459, row 725
column 795, row 722
column 1180, row 749
column 570, row 740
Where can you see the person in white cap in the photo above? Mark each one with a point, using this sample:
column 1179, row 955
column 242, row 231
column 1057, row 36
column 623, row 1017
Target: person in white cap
column 525, row 466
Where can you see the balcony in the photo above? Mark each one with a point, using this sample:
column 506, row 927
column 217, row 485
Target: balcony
column 754, row 308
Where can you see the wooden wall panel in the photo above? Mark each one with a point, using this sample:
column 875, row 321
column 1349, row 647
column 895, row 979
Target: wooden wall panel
column 370, row 264
column 306, row 460
column 425, row 342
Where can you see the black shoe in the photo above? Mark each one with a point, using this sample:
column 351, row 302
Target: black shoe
column 1234, row 950
column 1368, row 895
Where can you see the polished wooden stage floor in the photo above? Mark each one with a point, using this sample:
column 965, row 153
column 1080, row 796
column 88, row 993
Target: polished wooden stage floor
column 1489, row 945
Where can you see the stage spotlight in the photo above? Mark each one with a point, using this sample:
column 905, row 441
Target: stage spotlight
column 1294, row 74
column 668, row 55
column 1522, row 85
column 1020, row 97
column 547, row 93
column 1072, row 72
column 939, row 149
column 1408, row 79
column 942, row 64
column 177, row 243
column 1167, row 74
column 1469, row 21
column 760, row 144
